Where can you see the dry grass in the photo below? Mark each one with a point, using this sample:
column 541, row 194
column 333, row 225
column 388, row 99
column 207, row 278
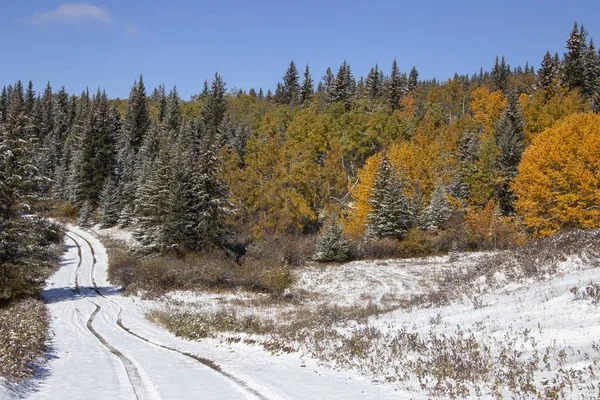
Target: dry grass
column 23, row 330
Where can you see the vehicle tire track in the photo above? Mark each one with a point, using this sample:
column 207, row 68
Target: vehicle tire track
column 204, row 361
column 133, row 374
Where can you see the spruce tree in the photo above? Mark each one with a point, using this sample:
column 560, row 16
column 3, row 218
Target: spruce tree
column 29, row 99
column 500, row 74
column 438, row 211
column 343, row 87
column 413, row 79
column 373, row 83
column 397, row 86
column 85, row 215
column 216, row 104
column 573, row 66
column 172, row 117
column 591, row 87
column 290, row 89
column 137, row 117
column 307, row 89
column 547, row 73
column 4, row 103
column 109, row 204
column 332, row 244
column 391, row 213
column 510, row 139
column 211, row 195
column 328, row 80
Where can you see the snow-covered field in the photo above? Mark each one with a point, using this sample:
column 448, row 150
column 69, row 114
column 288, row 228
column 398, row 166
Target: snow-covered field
column 364, row 329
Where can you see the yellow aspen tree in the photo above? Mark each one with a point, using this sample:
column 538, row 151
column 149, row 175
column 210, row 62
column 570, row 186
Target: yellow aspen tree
column 558, row 183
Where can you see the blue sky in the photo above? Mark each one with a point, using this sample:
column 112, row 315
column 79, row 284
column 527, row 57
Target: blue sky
column 108, row 43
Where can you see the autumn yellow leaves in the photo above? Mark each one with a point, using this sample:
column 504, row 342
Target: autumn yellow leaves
column 558, row 184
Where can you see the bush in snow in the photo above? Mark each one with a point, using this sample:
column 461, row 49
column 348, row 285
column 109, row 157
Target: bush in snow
column 332, row 245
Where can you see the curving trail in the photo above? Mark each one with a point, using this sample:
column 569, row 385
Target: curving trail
column 106, row 358
column 103, row 347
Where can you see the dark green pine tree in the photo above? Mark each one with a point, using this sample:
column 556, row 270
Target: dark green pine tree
column 438, row 211
column 373, row 83
column 215, row 106
column 4, row 103
column 261, row 94
column 290, row 88
column 343, row 88
column 397, row 86
column 332, row 244
column 137, row 117
column 547, row 74
column 391, row 214
column 152, row 197
column 413, row 79
column 29, row 99
column 591, row 87
column 573, row 66
column 95, row 159
column 51, row 148
column 510, row 139
column 307, row 89
column 500, row 74
column 172, row 118
column 252, row 93
column 211, row 204
column 109, row 203
column 328, row 80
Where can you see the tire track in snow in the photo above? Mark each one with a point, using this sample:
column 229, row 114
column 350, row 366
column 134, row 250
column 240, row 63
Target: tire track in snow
column 132, row 372
column 204, row 361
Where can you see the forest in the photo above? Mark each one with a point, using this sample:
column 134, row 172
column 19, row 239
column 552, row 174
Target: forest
column 387, row 165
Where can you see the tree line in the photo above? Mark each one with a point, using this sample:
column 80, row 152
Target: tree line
column 384, row 155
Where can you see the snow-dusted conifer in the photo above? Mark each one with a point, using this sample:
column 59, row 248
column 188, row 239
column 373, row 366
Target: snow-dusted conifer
column 85, row 215
column 391, row 214
column 438, row 211
column 332, row 245
column 109, row 204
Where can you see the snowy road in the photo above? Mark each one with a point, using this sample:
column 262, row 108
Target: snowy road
column 104, row 348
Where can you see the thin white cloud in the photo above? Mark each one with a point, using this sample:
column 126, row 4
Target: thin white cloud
column 79, row 13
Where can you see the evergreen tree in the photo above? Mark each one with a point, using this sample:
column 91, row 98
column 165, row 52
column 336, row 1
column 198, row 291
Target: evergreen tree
column 212, row 206
column 307, row 89
column 4, row 103
column 437, row 213
column 216, row 105
column 413, row 79
column 391, row 214
column 573, row 66
column 500, row 74
column 137, row 117
column 85, row 215
column 397, row 86
column 547, row 73
column 510, row 139
column 374, row 83
column 332, row 244
column 109, row 204
column 343, row 87
column 328, row 80
column 252, row 93
column 172, row 118
column 29, row 99
column 290, row 87
column 591, row 87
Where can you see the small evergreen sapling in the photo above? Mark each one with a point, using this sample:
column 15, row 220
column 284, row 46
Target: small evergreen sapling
column 332, row 245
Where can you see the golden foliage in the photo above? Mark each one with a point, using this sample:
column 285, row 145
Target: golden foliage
column 558, row 184
column 487, row 107
column 541, row 113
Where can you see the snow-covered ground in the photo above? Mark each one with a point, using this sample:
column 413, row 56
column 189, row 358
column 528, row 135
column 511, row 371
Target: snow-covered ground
column 531, row 337
column 103, row 347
